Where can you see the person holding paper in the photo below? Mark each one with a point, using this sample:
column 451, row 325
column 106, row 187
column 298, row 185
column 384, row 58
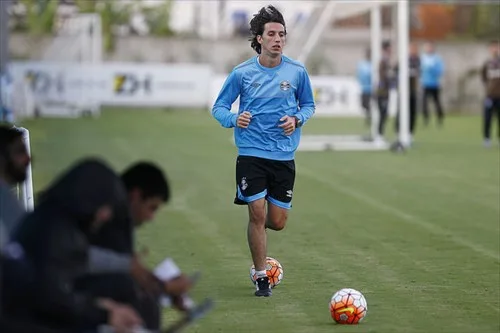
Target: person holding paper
column 147, row 190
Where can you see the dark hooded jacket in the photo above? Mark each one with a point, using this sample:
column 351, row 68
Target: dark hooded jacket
column 54, row 241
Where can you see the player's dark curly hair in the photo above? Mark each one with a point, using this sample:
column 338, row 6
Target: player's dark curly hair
column 265, row 15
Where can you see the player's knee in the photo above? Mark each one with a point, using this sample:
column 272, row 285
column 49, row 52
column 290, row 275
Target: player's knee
column 277, row 223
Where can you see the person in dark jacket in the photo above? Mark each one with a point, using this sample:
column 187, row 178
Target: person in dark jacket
column 147, row 190
column 49, row 251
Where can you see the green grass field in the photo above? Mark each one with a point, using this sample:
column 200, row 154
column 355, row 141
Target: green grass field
column 417, row 233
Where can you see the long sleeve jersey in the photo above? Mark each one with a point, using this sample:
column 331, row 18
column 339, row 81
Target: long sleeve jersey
column 268, row 94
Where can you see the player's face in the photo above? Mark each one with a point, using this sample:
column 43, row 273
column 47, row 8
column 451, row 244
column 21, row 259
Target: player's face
column 17, row 162
column 273, row 39
column 144, row 210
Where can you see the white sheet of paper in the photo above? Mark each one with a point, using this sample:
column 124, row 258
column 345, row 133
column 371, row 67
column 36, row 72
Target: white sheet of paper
column 167, row 270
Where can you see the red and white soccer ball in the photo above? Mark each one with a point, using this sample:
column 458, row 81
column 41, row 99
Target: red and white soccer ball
column 274, row 272
column 348, row 306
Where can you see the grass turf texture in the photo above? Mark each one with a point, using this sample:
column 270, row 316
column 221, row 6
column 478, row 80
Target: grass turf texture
column 417, row 234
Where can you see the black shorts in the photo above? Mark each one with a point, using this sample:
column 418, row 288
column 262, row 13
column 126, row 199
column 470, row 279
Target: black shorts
column 258, row 178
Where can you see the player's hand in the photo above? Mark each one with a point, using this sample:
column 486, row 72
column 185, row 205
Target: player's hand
column 178, row 286
column 146, row 279
column 243, row 119
column 122, row 318
column 288, row 124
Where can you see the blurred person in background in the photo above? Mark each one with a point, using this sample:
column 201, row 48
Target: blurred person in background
column 276, row 99
column 414, row 73
column 490, row 75
column 6, row 86
column 147, row 190
column 387, row 81
column 364, row 74
column 432, row 69
column 14, row 160
column 49, row 250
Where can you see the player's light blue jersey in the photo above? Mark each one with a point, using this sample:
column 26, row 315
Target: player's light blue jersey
column 268, row 94
column 364, row 74
column 432, row 68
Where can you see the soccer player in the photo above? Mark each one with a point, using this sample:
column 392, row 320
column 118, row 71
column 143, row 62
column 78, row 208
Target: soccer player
column 364, row 74
column 432, row 68
column 387, row 81
column 276, row 99
column 490, row 74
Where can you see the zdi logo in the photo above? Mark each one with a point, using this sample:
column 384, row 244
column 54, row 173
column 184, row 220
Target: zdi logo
column 129, row 84
column 43, row 82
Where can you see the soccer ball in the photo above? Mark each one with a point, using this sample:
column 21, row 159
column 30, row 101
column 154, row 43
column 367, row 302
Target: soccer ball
column 348, row 306
column 274, row 272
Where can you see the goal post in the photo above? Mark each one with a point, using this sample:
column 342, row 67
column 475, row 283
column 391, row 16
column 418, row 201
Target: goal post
column 398, row 100
column 26, row 188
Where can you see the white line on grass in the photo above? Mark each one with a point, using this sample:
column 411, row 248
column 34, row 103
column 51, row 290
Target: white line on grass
column 389, row 209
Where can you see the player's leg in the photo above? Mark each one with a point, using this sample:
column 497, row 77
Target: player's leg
column 280, row 193
column 496, row 104
column 413, row 113
column 383, row 104
column 251, row 188
column 487, row 115
column 425, row 106
column 256, row 234
column 365, row 103
column 257, row 242
column 436, row 96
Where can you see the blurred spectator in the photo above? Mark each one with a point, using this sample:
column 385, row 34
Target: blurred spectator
column 147, row 190
column 50, row 250
column 387, row 81
column 364, row 74
column 14, row 160
column 432, row 68
column 6, row 86
column 490, row 75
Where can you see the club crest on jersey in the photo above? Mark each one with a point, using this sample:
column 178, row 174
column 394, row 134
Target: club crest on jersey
column 244, row 184
column 284, row 85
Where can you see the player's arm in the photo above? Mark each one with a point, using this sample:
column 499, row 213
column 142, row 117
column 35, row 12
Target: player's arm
column 228, row 94
column 103, row 261
column 306, row 98
column 440, row 67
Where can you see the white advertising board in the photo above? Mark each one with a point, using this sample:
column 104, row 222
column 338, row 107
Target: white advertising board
column 120, row 84
column 162, row 85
